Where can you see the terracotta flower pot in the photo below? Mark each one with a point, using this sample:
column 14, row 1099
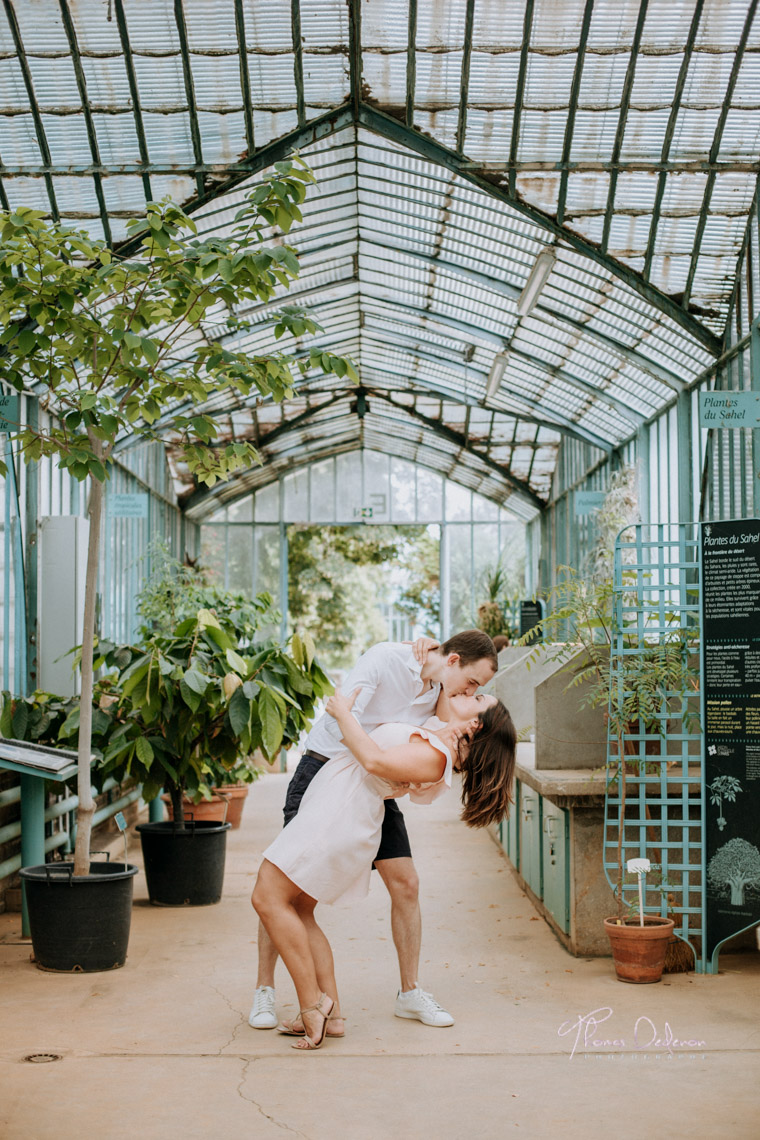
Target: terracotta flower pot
column 639, row 951
column 225, row 805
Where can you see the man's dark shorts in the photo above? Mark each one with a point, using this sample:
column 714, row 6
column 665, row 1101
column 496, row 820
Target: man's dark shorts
column 394, row 841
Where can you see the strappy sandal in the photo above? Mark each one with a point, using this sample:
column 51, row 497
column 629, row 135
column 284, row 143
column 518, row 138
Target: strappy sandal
column 287, row 1028
column 307, row 1042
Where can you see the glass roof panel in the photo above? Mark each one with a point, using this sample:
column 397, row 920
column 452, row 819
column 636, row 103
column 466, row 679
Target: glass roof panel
column 418, row 242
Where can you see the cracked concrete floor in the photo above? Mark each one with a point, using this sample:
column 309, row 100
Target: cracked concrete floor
column 164, row 1043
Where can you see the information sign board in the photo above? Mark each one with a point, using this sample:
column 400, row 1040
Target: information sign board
column 586, row 502
column 730, row 554
column 128, row 506
column 8, row 414
column 729, row 409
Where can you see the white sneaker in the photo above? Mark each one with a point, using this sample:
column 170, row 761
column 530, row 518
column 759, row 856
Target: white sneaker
column 263, row 1014
column 421, row 1006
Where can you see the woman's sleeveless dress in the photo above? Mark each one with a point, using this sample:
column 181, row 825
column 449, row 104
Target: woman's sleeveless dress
column 328, row 848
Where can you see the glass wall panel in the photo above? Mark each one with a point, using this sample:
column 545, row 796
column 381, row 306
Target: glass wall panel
column 377, row 486
column 348, row 480
column 268, row 503
column 297, row 495
column 429, row 496
column 404, row 491
column 323, row 491
column 240, row 559
column 458, row 503
column 241, row 510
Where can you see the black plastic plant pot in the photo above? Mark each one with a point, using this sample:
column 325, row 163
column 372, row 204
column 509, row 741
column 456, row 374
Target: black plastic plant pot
column 79, row 924
column 184, row 866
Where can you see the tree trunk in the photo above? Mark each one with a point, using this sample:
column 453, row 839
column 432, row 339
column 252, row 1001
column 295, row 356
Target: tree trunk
column 737, row 891
column 86, row 808
column 178, row 807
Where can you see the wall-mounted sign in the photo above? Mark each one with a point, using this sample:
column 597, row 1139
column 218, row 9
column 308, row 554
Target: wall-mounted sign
column 8, row 414
column 730, row 554
column 729, row 409
column 531, row 613
column 586, row 502
column 128, row 506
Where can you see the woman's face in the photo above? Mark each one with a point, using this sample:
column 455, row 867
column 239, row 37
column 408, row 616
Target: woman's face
column 464, row 709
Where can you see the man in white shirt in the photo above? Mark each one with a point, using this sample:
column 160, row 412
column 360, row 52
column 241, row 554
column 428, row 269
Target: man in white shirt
column 393, row 686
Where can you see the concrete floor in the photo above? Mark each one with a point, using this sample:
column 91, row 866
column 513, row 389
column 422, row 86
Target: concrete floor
column 162, row 1047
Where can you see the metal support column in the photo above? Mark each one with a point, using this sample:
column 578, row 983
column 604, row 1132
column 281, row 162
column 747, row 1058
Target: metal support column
column 685, row 474
column 29, row 683
column 754, row 359
column 444, row 577
column 642, row 453
column 32, row 833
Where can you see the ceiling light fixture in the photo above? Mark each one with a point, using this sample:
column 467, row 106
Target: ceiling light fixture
column 498, row 369
column 537, row 278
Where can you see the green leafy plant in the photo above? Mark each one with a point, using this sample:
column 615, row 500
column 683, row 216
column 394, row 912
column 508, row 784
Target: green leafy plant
column 110, row 343
column 492, row 618
column 195, row 702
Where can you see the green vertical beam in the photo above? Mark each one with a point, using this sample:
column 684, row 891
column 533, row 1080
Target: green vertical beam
column 295, row 17
column 519, row 96
column 684, row 458
column 573, row 109
column 89, row 122
column 129, row 65
column 30, row 563
column 625, row 103
column 669, row 131
column 465, row 84
column 245, row 78
column 642, row 454
column 754, row 360
column 195, row 130
column 355, row 54
column 411, row 62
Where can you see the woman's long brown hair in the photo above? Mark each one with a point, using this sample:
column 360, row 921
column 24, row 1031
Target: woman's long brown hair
column 488, row 769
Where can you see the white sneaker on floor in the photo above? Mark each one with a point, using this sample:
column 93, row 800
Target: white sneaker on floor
column 263, row 1014
column 421, row 1006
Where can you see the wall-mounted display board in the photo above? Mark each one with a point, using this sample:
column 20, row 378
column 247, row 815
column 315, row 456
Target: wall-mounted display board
column 730, row 637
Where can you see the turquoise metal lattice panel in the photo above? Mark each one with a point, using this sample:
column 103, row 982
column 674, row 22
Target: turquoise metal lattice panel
column 656, row 600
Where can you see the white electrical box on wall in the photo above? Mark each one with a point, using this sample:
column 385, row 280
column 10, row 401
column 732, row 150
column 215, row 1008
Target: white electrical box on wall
column 62, row 562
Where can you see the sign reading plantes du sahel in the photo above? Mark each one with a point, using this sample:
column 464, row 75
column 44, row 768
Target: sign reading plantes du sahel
column 731, row 724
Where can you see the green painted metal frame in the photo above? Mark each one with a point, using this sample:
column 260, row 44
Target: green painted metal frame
column 92, row 137
column 573, row 110
column 390, row 128
column 715, row 149
column 669, row 131
column 39, row 129
column 656, row 593
column 625, row 103
column 134, row 93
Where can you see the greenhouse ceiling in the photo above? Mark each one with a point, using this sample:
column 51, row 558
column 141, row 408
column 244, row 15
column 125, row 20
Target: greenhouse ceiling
column 528, row 218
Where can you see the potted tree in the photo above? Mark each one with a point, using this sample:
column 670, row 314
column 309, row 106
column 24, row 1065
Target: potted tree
column 195, row 701
column 104, row 338
column 639, row 682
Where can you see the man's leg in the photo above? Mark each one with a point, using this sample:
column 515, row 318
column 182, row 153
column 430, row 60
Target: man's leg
column 394, row 862
column 400, row 877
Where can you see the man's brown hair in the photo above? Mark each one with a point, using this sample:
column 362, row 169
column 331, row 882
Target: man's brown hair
column 471, row 645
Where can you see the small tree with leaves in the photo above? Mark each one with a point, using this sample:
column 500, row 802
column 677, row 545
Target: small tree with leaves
column 114, row 348
column 723, row 788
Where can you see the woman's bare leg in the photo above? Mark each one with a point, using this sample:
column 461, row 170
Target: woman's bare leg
column 274, row 898
column 324, row 962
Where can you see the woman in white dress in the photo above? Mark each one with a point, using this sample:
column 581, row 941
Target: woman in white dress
column 325, row 853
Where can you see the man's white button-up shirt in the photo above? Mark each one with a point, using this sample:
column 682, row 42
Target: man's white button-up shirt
column 391, row 689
